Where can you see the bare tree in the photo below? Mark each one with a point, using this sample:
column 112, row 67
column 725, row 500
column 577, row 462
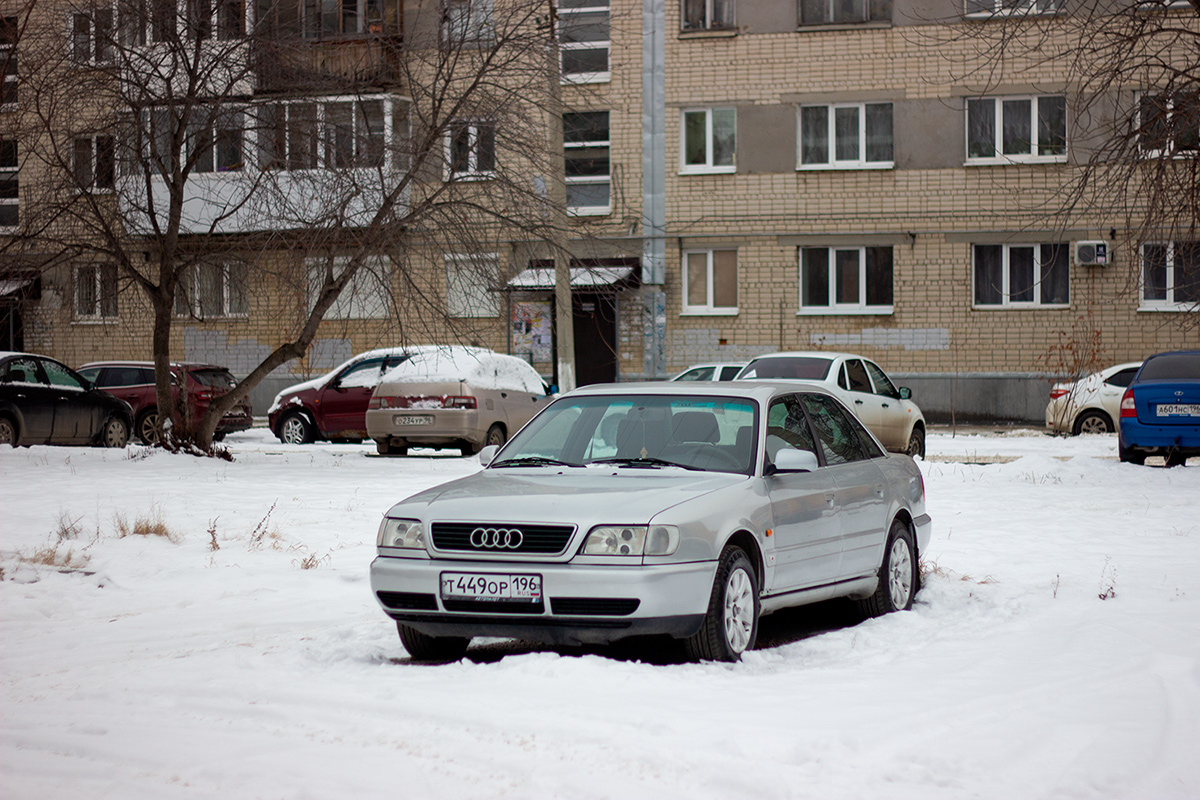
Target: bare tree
column 192, row 147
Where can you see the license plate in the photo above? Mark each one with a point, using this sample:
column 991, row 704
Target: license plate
column 474, row 586
column 411, row 419
column 1178, row 410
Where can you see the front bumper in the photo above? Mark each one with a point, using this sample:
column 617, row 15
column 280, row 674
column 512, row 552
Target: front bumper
column 581, row 604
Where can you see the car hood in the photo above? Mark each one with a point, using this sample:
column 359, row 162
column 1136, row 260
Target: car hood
column 620, row 495
column 290, row 395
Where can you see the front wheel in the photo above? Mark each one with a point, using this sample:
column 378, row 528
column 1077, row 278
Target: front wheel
column 434, row 649
column 731, row 623
column 115, row 433
column 897, row 575
column 295, row 429
column 916, row 442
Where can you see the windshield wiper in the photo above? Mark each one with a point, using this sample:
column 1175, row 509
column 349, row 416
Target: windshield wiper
column 649, row 461
column 534, row 461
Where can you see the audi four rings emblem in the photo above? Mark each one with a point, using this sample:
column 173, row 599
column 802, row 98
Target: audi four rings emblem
column 496, row 538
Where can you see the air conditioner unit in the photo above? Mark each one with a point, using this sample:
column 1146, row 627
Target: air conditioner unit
column 1092, row 254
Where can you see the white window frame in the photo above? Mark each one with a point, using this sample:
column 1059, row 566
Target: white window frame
column 215, row 128
column 832, row 162
column 833, row 307
column 708, row 167
column 591, row 180
column 470, row 280
column 708, row 24
column 96, row 52
column 1006, row 301
column 1008, row 8
column 89, row 181
column 318, row 133
column 868, row 11
column 9, row 63
column 189, row 299
column 1169, row 303
column 466, row 22
column 367, row 296
column 12, row 175
column 565, row 14
column 100, row 300
column 708, row 308
column 473, row 172
column 1034, row 156
column 1172, row 149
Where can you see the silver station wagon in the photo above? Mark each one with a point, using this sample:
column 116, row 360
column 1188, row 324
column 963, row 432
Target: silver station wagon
column 656, row 509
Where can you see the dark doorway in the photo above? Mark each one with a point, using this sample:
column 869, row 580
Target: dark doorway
column 595, row 318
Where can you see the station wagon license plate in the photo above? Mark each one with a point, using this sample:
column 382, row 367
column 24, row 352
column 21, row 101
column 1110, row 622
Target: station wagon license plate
column 473, row 586
column 1178, row 410
column 411, row 419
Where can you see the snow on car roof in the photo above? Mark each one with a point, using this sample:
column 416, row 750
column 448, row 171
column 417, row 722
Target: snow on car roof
column 478, row 366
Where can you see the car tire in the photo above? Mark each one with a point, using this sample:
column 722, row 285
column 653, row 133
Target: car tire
column 8, row 432
column 432, row 649
column 495, row 435
column 146, row 426
column 916, row 442
column 295, row 429
column 898, row 576
column 1129, row 455
column 386, row 448
column 731, row 623
column 115, row 433
column 1092, row 422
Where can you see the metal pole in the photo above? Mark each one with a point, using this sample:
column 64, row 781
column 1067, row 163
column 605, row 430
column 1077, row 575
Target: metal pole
column 556, row 187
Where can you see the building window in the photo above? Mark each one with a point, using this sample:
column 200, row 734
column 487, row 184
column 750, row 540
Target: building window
column 709, row 140
column 840, row 12
column 1011, row 8
column 466, row 22
column 1169, row 125
column 225, row 18
column 707, row 15
column 215, row 142
column 92, row 36
column 471, row 150
column 710, row 279
column 339, row 134
column 368, row 294
column 583, row 40
column 846, row 136
column 845, row 280
column 589, row 179
column 96, row 291
column 332, row 19
column 8, row 60
column 10, row 209
column 1021, row 275
column 95, row 163
column 470, row 284
column 1007, row 129
column 1171, row 276
column 209, row 291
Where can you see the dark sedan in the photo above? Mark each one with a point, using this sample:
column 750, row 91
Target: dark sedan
column 45, row 402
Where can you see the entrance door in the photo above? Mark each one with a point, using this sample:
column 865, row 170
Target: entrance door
column 595, row 317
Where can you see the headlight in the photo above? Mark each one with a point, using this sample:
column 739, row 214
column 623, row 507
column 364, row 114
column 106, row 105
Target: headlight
column 631, row 540
column 408, row 533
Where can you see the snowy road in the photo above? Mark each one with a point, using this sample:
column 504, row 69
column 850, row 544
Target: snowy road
column 1054, row 652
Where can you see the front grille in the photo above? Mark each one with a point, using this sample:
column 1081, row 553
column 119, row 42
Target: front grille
column 408, row 600
column 534, row 539
column 495, row 606
column 594, row 606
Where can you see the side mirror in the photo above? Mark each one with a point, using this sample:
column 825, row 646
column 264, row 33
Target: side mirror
column 553, row 389
column 905, row 393
column 487, row 454
column 794, row 461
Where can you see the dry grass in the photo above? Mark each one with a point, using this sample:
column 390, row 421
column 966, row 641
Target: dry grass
column 144, row 525
column 311, row 561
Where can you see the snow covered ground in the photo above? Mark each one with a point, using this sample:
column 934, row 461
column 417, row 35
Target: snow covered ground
column 1054, row 651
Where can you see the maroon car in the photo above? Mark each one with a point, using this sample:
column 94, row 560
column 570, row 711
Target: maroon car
column 133, row 382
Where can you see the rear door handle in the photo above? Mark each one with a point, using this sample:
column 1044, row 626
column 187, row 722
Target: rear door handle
column 858, row 402
column 879, row 489
column 829, row 498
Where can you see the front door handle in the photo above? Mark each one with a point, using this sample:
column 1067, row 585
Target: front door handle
column 879, row 489
column 829, row 498
column 858, row 402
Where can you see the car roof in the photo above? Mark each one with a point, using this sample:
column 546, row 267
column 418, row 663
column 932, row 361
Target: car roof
column 755, row 389
column 184, row 364
column 829, row 354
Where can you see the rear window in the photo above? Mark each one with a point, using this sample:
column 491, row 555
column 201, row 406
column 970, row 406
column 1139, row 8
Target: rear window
column 1171, row 366
column 216, row 378
column 801, row 368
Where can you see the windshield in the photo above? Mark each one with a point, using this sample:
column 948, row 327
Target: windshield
column 792, row 368
column 713, row 434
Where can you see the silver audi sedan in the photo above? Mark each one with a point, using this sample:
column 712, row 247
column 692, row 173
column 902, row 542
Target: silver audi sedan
column 666, row 509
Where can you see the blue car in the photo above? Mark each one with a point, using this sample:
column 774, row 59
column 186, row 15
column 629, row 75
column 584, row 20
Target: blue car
column 1160, row 411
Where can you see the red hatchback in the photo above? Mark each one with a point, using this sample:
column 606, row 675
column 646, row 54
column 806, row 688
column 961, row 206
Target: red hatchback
column 133, row 382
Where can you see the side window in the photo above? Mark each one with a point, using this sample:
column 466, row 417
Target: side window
column 838, row 436
column 859, row 382
column 61, row 376
column 883, row 384
column 364, row 374
column 1122, row 378
column 787, row 429
column 22, row 370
